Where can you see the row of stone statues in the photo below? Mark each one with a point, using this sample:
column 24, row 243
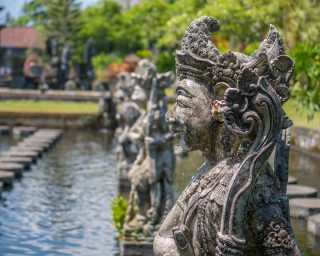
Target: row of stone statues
column 228, row 106
column 145, row 154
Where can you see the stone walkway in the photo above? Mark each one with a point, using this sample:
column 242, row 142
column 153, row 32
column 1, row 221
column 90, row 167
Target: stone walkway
column 19, row 158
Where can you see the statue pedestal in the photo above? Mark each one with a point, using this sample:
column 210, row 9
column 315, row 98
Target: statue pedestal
column 135, row 248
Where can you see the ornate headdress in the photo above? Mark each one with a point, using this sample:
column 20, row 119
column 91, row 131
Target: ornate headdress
column 200, row 60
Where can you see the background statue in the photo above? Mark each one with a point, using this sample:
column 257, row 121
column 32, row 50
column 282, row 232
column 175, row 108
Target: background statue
column 151, row 195
column 228, row 106
column 128, row 113
column 127, row 152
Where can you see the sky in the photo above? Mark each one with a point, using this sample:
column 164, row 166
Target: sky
column 14, row 7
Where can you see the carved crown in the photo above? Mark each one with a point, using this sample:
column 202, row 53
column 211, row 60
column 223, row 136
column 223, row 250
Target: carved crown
column 200, row 60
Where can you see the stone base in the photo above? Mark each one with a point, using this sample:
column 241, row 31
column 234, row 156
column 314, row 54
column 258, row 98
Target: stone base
column 136, row 248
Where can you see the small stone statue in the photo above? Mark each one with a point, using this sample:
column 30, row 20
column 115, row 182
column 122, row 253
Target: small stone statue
column 126, row 150
column 151, row 195
column 228, row 106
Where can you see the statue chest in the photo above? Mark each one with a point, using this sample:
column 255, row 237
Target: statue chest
column 201, row 204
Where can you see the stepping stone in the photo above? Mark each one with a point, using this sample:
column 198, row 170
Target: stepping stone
column 27, row 144
column 292, row 180
column 4, row 129
column 304, row 207
column 15, row 168
column 55, row 135
column 40, row 140
column 25, row 149
column 20, row 153
column 6, row 177
column 25, row 161
column 294, row 191
column 56, row 132
column 314, row 224
column 23, row 131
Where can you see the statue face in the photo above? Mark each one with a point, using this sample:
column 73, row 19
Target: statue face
column 190, row 117
column 139, row 95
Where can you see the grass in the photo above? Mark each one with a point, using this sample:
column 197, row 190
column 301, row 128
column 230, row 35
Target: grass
column 299, row 116
column 48, row 106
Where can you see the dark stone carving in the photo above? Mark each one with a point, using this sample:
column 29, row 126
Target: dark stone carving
column 229, row 107
column 151, row 174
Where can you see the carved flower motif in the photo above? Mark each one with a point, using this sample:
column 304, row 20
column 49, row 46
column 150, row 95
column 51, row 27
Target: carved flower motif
column 278, row 236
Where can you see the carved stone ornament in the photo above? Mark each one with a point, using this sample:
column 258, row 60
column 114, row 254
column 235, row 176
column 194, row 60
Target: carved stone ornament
column 151, row 174
column 229, row 106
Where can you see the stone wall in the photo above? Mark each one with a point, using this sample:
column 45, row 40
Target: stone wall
column 6, row 94
column 306, row 140
column 52, row 120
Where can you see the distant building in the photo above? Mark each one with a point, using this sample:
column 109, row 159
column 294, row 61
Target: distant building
column 14, row 43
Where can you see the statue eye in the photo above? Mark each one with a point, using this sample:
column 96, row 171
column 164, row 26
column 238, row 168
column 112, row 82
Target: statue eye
column 181, row 104
column 184, row 93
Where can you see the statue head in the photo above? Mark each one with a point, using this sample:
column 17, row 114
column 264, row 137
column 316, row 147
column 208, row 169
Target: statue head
column 141, row 81
column 217, row 108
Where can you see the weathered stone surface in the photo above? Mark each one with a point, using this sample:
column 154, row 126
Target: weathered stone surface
column 49, row 141
column 27, row 149
column 32, row 147
column 292, row 180
column 25, row 161
column 314, row 224
column 304, row 207
column 17, row 169
column 31, row 143
column 20, row 153
column 294, row 191
column 6, row 177
column 229, row 106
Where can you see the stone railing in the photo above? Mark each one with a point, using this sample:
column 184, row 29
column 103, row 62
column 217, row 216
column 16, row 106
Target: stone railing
column 6, row 93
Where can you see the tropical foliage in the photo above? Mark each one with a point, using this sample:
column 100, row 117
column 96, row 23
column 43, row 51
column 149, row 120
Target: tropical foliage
column 119, row 208
column 154, row 28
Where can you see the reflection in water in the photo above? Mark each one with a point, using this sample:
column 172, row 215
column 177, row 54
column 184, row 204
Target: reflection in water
column 62, row 207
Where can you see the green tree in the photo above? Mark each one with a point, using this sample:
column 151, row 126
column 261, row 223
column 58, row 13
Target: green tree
column 53, row 17
column 99, row 23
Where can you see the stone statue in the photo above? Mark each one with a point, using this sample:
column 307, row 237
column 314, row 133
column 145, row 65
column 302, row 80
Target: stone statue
column 124, row 88
column 130, row 113
column 151, row 195
column 126, row 150
column 228, row 106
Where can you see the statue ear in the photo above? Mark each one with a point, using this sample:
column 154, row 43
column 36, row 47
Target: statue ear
column 219, row 90
column 218, row 101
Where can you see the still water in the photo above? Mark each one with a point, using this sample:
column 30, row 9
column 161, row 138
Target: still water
column 62, row 206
